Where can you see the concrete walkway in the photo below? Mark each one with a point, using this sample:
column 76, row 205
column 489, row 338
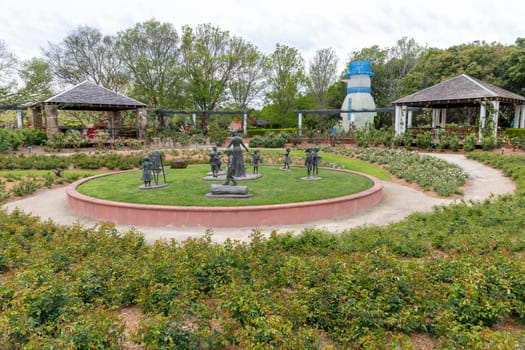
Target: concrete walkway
column 398, row 201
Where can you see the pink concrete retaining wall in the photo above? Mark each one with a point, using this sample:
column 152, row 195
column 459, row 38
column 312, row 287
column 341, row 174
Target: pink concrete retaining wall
column 248, row 216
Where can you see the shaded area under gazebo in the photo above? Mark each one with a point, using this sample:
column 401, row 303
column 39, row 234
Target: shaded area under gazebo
column 460, row 91
column 88, row 96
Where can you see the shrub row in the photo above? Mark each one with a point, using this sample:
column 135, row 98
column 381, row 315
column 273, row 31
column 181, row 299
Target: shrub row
column 453, row 273
column 112, row 161
column 430, row 173
column 263, row 131
column 270, row 140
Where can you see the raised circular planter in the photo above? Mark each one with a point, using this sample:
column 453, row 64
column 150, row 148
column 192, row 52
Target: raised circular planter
column 210, row 217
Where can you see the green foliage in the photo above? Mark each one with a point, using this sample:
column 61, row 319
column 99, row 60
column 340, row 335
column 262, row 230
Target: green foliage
column 263, row 131
column 270, row 140
column 217, row 134
column 477, row 59
column 517, row 143
column 515, row 132
column 110, row 160
column 32, row 136
column 454, row 274
column 165, row 333
column 428, row 172
column 488, row 143
column 57, row 141
column 424, row 140
column 25, row 187
column 72, row 139
column 469, row 142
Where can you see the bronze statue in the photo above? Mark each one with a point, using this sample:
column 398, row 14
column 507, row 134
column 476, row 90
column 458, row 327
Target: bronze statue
column 237, row 161
column 308, row 162
column 147, row 175
column 255, row 161
column 316, row 160
column 287, row 159
column 215, row 161
column 230, row 172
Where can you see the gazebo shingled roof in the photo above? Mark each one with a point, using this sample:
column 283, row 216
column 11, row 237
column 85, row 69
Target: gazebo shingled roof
column 89, row 96
column 459, row 91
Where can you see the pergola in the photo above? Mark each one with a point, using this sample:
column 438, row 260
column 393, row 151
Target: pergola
column 460, row 91
column 88, row 96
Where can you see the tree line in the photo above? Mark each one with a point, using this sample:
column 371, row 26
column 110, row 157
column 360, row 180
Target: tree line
column 206, row 68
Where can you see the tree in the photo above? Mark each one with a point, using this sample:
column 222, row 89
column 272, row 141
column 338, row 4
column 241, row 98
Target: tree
column 514, row 68
column 8, row 64
column 36, row 77
column 85, row 54
column 478, row 59
column 150, row 51
column 286, row 78
column 247, row 82
column 211, row 57
column 322, row 73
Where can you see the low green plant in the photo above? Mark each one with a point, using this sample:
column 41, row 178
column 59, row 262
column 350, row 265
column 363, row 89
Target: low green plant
column 270, row 140
column 469, row 142
column 25, row 187
column 517, row 143
column 454, row 274
column 428, row 172
column 57, row 141
column 424, row 140
column 488, row 143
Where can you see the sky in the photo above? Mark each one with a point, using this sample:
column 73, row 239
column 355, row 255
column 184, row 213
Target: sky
column 27, row 26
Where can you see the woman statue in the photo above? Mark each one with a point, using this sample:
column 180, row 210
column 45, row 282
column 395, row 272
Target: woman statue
column 146, row 172
column 237, row 162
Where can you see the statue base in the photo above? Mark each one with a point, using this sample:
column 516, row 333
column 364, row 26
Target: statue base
column 152, row 187
column 227, row 191
column 222, row 177
column 311, row 178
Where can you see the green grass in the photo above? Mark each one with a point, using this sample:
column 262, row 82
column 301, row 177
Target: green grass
column 42, row 173
column 342, row 161
column 355, row 165
column 187, row 187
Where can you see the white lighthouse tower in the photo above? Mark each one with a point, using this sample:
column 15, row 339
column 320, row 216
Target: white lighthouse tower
column 358, row 96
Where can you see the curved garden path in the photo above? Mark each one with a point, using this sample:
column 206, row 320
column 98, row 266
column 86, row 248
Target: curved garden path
column 398, row 201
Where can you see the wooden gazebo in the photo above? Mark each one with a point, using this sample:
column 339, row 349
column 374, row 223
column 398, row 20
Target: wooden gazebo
column 88, row 96
column 459, row 91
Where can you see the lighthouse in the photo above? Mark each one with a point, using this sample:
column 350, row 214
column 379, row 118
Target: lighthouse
column 358, row 96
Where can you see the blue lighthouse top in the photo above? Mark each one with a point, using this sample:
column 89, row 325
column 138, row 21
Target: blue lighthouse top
column 359, row 68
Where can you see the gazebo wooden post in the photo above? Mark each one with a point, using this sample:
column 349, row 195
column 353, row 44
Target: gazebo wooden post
column 142, row 122
column 300, row 124
column 495, row 115
column 397, row 120
column 434, row 117
column 51, row 120
column 409, row 122
column 403, row 123
column 482, row 116
column 517, row 115
column 245, row 124
column 443, row 118
column 116, row 123
column 522, row 124
column 37, row 117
